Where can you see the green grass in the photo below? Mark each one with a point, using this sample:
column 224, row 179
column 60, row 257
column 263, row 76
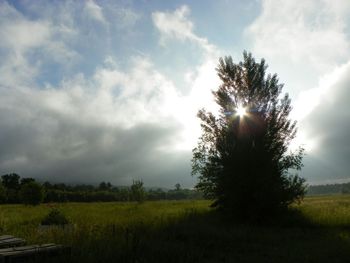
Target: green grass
column 188, row 231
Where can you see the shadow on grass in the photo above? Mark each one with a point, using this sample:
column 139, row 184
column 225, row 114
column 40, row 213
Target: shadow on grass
column 208, row 237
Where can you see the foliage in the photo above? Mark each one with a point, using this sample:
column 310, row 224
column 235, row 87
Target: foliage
column 243, row 161
column 27, row 180
column 12, row 196
column 55, row 217
column 31, row 193
column 10, row 181
column 137, row 191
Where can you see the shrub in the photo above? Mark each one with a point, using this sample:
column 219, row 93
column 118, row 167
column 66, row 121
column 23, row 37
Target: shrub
column 55, row 217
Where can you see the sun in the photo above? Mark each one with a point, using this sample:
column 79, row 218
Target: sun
column 241, row 111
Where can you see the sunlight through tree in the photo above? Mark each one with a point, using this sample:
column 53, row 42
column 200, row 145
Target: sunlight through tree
column 243, row 157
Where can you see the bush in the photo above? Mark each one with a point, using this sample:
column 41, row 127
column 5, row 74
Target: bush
column 31, row 193
column 55, row 217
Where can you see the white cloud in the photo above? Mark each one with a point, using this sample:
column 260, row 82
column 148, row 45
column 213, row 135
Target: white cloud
column 19, row 36
column 327, row 127
column 86, row 121
column 175, row 24
column 94, row 11
column 22, row 38
column 22, row 35
column 178, row 25
column 304, row 41
column 125, row 17
column 114, row 97
column 16, row 70
column 202, row 81
column 310, row 99
column 116, row 120
column 308, row 32
column 123, row 98
column 308, row 43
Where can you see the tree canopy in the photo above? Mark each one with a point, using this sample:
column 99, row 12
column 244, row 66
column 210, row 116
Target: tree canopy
column 243, row 157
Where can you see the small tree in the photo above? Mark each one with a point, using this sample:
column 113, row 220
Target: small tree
column 242, row 157
column 31, row 193
column 137, row 191
column 177, row 187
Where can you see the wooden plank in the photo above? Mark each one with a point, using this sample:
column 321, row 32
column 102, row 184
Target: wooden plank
column 6, row 237
column 4, row 251
column 12, row 242
column 26, row 250
column 22, row 248
column 24, row 253
column 43, row 254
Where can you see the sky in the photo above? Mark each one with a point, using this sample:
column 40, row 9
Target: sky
column 95, row 91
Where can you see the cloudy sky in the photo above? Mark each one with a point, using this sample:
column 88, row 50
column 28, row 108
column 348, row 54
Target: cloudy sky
column 96, row 91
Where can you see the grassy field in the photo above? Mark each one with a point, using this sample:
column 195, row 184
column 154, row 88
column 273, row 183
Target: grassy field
column 188, row 231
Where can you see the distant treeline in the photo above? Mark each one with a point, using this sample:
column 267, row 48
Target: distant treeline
column 106, row 192
column 329, row 189
column 14, row 189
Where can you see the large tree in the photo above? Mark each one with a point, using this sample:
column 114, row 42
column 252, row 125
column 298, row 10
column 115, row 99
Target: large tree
column 31, row 193
column 243, row 157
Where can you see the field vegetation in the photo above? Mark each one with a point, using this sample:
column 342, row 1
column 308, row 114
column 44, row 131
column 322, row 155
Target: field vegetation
column 318, row 230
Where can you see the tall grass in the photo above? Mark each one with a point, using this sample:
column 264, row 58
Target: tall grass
column 187, row 231
column 328, row 211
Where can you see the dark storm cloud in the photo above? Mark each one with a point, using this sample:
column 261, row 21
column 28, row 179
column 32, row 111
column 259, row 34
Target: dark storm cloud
column 48, row 145
column 330, row 122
